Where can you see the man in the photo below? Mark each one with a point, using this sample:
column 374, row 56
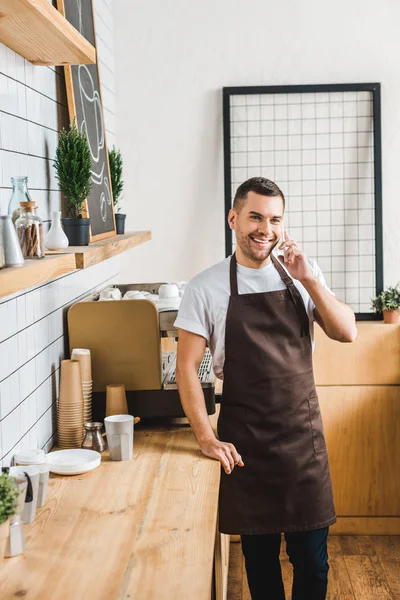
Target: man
column 256, row 313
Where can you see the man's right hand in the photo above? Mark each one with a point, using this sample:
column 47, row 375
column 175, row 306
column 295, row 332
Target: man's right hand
column 225, row 452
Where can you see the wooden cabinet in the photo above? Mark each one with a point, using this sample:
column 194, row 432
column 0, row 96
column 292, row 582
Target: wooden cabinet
column 359, row 390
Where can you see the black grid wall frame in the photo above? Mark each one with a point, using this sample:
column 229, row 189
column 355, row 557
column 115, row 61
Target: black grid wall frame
column 322, row 145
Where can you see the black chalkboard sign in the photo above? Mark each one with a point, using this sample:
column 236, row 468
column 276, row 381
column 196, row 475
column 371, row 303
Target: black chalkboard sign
column 84, row 103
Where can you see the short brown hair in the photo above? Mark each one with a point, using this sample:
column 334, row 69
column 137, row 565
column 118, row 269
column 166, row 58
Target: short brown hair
column 259, row 185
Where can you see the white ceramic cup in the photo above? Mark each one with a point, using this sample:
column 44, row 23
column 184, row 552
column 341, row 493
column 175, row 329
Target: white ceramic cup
column 33, row 456
column 110, row 293
column 168, row 290
column 29, row 512
column 119, row 430
column 43, row 484
column 134, row 295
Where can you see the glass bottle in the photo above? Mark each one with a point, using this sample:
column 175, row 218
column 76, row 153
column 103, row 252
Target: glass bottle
column 29, row 228
column 20, row 193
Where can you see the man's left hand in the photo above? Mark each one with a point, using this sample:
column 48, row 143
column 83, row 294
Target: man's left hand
column 296, row 262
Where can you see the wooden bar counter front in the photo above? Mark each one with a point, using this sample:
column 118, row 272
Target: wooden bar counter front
column 144, row 529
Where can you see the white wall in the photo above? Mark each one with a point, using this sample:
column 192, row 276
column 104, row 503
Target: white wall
column 32, row 324
column 173, row 58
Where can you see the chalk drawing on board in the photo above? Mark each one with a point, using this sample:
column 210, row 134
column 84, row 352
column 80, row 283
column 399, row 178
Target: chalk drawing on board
column 91, row 105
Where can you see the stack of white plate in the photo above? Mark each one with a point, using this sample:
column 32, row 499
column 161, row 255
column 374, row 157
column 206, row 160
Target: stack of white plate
column 73, row 462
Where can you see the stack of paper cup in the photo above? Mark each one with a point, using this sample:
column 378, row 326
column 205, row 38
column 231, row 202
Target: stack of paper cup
column 70, row 405
column 84, row 357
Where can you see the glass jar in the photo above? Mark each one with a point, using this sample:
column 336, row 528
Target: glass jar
column 29, row 228
column 20, row 193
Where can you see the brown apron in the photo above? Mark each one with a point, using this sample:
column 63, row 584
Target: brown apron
column 270, row 412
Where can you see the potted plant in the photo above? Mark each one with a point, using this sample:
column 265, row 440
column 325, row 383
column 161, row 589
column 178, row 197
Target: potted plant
column 115, row 160
column 388, row 303
column 8, row 507
column 73, row 170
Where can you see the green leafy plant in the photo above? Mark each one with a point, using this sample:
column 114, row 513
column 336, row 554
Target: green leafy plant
column 389, row 299
column 117, row 183
column 73, row 169
column 8, row 497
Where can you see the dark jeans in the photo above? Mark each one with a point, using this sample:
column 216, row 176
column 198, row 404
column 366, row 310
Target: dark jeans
column 308, row 553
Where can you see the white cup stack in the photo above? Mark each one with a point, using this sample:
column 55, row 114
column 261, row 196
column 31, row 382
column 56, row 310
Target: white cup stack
column 84, row 357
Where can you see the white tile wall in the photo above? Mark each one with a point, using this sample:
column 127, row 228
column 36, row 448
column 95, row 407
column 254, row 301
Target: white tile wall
column 33, row 108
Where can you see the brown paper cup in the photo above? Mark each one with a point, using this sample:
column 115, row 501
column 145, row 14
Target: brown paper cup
column 84, row 357
column 116, row 400
column 70, row 383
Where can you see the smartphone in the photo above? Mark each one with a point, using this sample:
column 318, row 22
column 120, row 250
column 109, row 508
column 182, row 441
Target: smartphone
column 277, row 250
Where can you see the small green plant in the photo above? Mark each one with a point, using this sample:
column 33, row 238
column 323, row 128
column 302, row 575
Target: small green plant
column 8, row 497
column 389, row 299
column 117, row 183
column 73, row 169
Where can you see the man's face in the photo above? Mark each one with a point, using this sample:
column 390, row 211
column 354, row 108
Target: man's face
column 258, row 225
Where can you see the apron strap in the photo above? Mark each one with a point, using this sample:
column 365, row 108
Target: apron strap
column 295, row 296
column 233, row 275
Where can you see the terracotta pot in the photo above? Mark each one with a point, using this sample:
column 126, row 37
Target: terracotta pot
column 4, row 533
column 391, row 316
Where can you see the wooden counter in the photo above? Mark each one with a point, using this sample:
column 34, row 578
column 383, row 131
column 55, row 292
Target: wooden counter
column 143, row 529
column 358, row 386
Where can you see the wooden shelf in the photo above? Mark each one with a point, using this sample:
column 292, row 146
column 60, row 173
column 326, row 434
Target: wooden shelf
column 35, row 272
column 87, row 256
column 38, row 32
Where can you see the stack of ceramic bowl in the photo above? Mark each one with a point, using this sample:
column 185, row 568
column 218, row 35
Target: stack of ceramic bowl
column 70, row 405
column 83, row 355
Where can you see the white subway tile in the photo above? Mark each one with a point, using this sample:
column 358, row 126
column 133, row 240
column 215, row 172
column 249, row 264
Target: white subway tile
column 28, row 412
column 21, row 312
column 33, row 437
column 11, row 429
column 23, row 347
column 43, row 367
column 9, row 394
column 44, row 397
column 25, row 442
column 35, row 298
column 12, row 316
column 45, row 431
column 30, row 342
column 4, row 360
column 29, row 309
column 48, row 298
column 27, row 379
column 3, row 322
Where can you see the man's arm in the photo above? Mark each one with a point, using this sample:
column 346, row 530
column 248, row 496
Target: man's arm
column 336, row 318
column 191, row 348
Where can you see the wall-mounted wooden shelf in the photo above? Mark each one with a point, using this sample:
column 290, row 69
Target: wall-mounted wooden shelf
column 38, row 32
column 55, row 264
column 87, row 256
column 34, row 272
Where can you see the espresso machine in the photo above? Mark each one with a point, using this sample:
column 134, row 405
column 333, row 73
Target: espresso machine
column 133, row 343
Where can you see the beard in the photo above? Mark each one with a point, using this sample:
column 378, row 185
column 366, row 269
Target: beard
column 253, row 251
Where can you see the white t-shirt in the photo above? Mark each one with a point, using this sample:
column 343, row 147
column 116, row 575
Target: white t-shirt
column 205, row 302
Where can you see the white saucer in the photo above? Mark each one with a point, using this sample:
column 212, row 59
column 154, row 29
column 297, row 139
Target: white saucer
column 72, row 462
